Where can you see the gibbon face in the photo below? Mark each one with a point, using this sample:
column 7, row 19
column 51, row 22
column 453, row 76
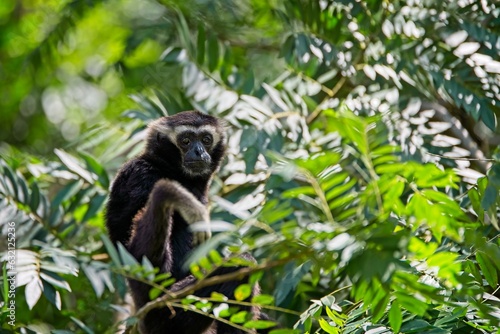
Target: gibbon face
column 197, row 136
column 195, row 145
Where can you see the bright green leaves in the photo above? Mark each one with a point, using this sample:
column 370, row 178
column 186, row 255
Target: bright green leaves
column 259, row 324
column 242, row 292
column 392, row 189
column 429, row 175
column 389, row 220
column 395, row 316
column 411, row 303
column 428, row 213
column 354, row 129
column 263, row 299
column 354, row 204
column 145, row 54
column 447, row 266
column 332, row 323
column 430, row 207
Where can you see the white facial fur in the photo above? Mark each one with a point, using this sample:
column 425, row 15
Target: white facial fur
column 172, row 133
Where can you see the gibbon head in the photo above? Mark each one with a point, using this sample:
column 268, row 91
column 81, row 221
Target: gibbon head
column 199, row 139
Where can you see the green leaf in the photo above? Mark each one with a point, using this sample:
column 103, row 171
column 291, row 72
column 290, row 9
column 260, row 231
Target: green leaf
column 35, row 196
column 242, row 292
column 334, row 316
column 259, row 324
column 411, row 303
column 190, row 300
column 66, row 192
column 96, row 277
column 249, row 137
column 239, row 317
column 203, row 305
column 213, row 53
column 250, row 155
column 291, row 279
column 54, row 280
column 379, row 308
column 255, row 277
column 168, row 282
column 94, row 166
column 298, row 192
column 52, row 295
column 196, row 271
column 328, row 300
column 10, row 181
column 74, row 165
column 149, row 270
column 395, row 316
column 415, row 326
column 274, row 212
column 56, row 216
column 489, row 197
column 23, row 188
column 215, row 257
column 200, row 45
column 82, row 325
column 327, row 327
column 284, row 331
column 154, row 293
column 488, row 269
column 171, row 56
column 216, row 296
column 263, row 299
column 161, row 277
column 184, row 33
column 492, row 212
column 126, row 257
column 205, row 263
column 339, row 190
column 110, row 248
column 488, row 116
column 471, row 268
column 442, row 259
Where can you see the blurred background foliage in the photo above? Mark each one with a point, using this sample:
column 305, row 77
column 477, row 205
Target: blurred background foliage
column 363, row 154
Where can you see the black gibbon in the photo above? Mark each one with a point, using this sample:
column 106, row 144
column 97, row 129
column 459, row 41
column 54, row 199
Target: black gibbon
column 153, row 200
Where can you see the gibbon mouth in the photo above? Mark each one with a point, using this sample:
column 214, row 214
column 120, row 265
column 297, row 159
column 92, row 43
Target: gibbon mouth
column 196, row 165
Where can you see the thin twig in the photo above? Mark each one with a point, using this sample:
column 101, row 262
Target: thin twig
column 209, row 281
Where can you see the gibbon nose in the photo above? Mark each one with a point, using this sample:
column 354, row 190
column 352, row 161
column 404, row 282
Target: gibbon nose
column 197, row 154
column 199, row 150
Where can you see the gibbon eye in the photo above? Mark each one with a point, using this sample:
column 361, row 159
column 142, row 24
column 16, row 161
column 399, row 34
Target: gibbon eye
column 185, row 141
column 207, row 140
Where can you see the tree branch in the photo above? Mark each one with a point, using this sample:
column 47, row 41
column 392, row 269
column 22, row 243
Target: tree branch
column 209, row 281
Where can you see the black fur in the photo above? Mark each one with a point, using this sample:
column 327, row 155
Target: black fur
column 141, row 215
column 160, row 160
column 163, row 238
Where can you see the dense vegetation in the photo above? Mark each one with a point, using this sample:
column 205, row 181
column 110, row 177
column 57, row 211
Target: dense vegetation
column 362, row 172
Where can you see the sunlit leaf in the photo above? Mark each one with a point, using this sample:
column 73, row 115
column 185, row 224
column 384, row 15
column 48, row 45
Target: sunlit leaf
column 259, row 324
column 242, row 292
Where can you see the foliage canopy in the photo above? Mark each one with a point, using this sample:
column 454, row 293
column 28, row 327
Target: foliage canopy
column 362, row 172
